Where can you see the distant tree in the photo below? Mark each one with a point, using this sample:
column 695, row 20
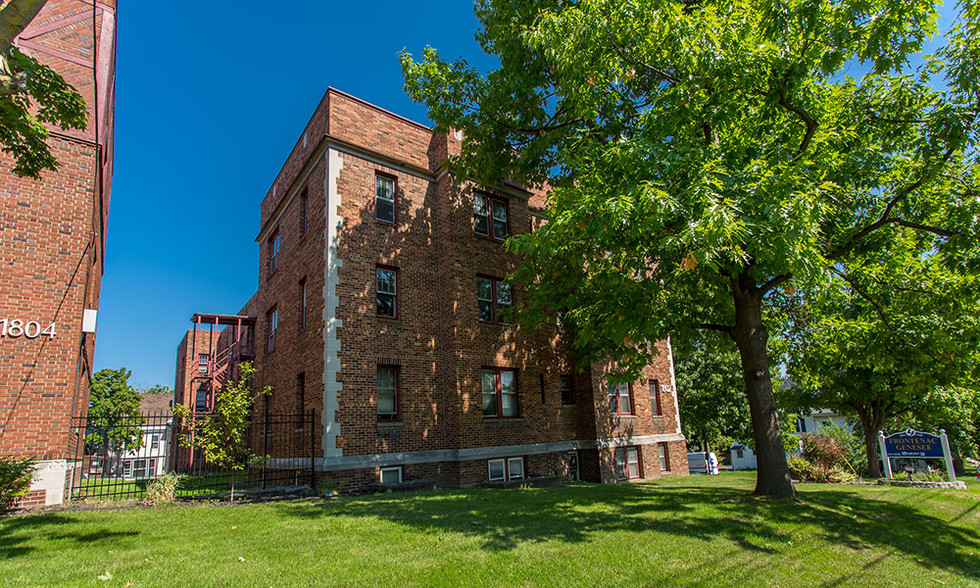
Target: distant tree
column 157, row 389
column 221, row 435
column 703, row 157
column 895, row 339
column 31, row 94
column 114, row 416
column 710, row 392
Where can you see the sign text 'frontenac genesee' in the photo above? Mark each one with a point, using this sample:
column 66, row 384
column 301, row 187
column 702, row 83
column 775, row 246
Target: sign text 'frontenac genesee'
column 913, row 444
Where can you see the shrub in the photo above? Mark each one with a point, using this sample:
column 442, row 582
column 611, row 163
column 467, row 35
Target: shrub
column 163, row 490
column 823, row 450
column 15, row 479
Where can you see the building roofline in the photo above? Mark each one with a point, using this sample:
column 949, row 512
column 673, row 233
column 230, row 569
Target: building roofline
column 332, row 90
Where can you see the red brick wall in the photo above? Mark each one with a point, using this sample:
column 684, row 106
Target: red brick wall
column 52, row 234
column 437, row 341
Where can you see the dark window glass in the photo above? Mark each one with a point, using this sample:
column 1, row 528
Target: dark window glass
column 481, row 217
column 567, row 397
column 387, row 393
column 499, row 219
column 384, row 198
column 499, row 388
column 387, row 292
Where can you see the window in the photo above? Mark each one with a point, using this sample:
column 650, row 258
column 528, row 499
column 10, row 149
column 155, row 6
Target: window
column 801, row 425
column 302, row 303
column 128, row 468
column 273, row 252
column 392, row 475
column 511, row 468
column 139, row 469
column 202, row 363
column 664, row 456
column 387, row 393
column 386, row 284
column 494, row 300
column 154, row 442
column 384, row 198
column 152, row 468
column 619, row 399
column 272, row 325
column 499, row 393
column 627, row 463
column 201, row 401
column 490, row 216
column 304, row 212
column 655, row 397
column 567, row 396
column 301, row 392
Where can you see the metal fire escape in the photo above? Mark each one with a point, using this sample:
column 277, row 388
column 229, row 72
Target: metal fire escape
column 226, row 350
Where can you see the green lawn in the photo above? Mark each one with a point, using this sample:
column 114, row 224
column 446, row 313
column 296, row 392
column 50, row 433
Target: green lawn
column 695, row 530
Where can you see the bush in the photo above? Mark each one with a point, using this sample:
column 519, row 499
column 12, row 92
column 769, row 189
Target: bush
column 15, row 479
column 163, row 490
column 803, row 469
column 851, row 442
column 823, row 450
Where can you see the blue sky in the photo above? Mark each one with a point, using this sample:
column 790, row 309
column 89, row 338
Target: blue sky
column 209, row 103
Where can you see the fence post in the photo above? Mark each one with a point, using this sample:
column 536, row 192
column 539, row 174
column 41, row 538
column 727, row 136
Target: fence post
column 312, row 449
column 265, row 446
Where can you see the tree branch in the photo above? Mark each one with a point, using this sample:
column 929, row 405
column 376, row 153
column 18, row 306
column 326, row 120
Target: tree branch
column 714, row 327
column 809, row 121
column 765, row 288
column 885, row 218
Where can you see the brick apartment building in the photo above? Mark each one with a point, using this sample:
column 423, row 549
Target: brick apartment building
column 52, row 238
column 381, row 302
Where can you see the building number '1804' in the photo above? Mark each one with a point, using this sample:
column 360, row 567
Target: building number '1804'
column 20, row 328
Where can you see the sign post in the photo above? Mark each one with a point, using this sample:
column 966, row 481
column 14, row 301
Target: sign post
column 884, row 455
column 918, row 445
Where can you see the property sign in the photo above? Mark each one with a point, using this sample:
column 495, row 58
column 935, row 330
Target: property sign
column 916, row 445
column 913, row 444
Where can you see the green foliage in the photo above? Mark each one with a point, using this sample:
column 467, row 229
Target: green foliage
column 114, row 417
column 714, row 165
column 46, row 99
column 163, row 490
column 15, row 479
column 823, row 460
column 711, row 392
column 221, row 434
column 851, row 444
column 157, row 389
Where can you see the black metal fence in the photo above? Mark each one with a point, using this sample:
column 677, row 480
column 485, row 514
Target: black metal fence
column 119, row 458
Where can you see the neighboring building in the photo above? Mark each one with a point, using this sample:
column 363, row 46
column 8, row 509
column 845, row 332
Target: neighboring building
column 152, row 458
column 52, row 241
column 811, row 423
column 381, row 303
column 743, row 458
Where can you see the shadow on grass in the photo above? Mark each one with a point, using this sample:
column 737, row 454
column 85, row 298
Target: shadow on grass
column 504, row 519
column 17, row 531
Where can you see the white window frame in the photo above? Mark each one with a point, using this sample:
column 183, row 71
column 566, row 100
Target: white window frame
column 507, row 465
column 382, row 471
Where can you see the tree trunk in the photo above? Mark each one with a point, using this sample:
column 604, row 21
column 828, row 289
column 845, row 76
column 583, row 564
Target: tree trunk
column 750, row 337
column 872, row 420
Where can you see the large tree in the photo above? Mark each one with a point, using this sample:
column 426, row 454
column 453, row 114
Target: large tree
column 704, row 155
column 31, row 95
